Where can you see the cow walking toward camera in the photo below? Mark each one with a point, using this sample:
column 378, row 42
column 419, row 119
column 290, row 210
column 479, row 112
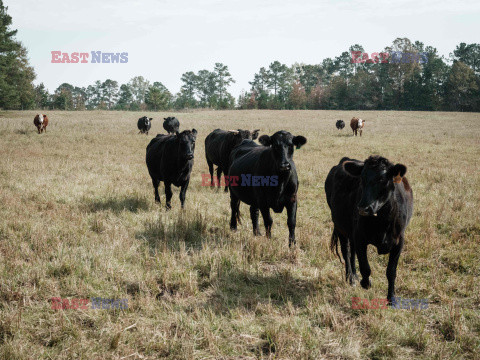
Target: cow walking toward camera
column 170, row 159
column 41, row 122
column 144, row 124
column 357, row 125
column 272, row 162
column 218, row 146
column 171, row 124
column 371, row 204
column 340, row 124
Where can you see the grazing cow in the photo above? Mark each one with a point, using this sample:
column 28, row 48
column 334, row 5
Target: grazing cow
column 170, row 159
column 371, row 203
column 271, row 166
column 171, row 124
column 340, row 124
column 144, row 124
column 218, row 146
column 41, row 122
column 357, row 125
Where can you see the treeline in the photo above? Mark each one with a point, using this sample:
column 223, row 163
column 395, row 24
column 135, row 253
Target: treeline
column 439, row 83
column 205, row 89
column 339, row 83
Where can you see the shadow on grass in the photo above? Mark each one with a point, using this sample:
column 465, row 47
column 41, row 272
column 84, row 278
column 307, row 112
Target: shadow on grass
column 243, row 289
column 187, row 228
column 117, row 205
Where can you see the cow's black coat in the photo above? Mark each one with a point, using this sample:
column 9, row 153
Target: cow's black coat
column 218, row 146
column 371, row 203
column 144, row 124
column 170, row 159
column 171, row 124
column 273, row 158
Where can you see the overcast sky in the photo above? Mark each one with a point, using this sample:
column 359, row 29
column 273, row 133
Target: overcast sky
column 165, row 38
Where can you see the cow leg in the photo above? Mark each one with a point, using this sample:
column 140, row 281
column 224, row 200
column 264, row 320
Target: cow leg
column 210, row 169
column 360, row 131
column 183, row 192
column 219, row 176
column 235, row 205
column 168, row 194
column 361, row 250
column 254, row 217
column 291, row 222
column 349, row 257
column 156, row 183
column 267, row 221
column 352, row 261
column 392, row 268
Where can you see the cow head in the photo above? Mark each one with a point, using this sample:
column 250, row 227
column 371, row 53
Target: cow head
column 378, row 176
column 40, row 118
column 282, row 143
column 240, row 135
column 186, row 140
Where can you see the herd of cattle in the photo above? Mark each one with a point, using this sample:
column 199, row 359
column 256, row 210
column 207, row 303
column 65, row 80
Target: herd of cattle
column 371, row 201
column 356, row 124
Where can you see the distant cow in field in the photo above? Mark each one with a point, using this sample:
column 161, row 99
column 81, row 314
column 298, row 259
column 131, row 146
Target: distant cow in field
column 271, row 166
column 371, row 203
column 41, row 122
column 340, row 124
column 144, row 124
column 171, row 124
column 170, row 159
column 218, row 146
column 357, row 125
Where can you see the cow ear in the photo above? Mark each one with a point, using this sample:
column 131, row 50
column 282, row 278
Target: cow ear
column 353, row 168
column 165, row 118
column 177, row 133
column 255, row 134
column 397, row 172
column 265, row 140
column 299, row 141
column 151, row 119
column 194, row 132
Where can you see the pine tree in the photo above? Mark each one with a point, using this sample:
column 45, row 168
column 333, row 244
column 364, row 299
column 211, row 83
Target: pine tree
column 16, row 76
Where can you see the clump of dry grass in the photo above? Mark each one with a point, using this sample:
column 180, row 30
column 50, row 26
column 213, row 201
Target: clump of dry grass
column 79, row 220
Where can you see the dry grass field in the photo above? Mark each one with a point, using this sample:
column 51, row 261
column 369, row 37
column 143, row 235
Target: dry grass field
column 78, row 220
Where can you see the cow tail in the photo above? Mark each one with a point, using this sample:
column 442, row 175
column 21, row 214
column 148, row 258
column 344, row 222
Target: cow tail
column 334, row 244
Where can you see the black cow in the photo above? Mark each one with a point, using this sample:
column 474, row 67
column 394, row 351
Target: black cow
column 218, row 146
column 371, row 203
column 170, row 159
column 272, row 165
column 144, row 124
column 171, row 124
column 340, row 124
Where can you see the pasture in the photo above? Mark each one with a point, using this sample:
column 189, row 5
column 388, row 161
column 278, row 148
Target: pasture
column 78, row 220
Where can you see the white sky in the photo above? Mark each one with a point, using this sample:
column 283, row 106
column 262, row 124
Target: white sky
column 165, row 38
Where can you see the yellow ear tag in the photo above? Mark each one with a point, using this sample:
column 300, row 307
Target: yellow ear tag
column 397, row 179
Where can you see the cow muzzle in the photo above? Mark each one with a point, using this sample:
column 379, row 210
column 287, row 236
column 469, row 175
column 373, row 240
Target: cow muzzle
column 285, row 167
column 189, row 157
column 366, row 211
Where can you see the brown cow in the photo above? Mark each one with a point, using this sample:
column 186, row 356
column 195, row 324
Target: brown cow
column 357, row 125
column 41, row 122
